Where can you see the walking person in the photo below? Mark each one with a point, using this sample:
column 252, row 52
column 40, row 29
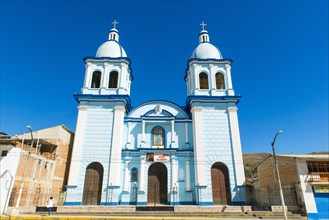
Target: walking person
column 50, row 204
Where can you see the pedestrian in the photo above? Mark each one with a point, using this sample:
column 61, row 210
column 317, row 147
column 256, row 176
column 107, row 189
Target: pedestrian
column 50, row 204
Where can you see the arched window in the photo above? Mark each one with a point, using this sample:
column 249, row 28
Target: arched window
column 113, row 82
column 220, row 83
column 203, row 78
column 134, row 174
column 96, row 80
column 157, row 136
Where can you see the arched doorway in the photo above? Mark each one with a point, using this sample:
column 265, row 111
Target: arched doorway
column 92, row 190
column 221, row 192
column 157, row 184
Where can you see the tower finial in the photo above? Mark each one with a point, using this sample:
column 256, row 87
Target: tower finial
column 115, row 23
column 203, row 24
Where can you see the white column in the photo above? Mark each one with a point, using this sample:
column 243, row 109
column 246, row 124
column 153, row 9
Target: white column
column 211, row 77
column 199, row 158
column 143, row 131
column 172, row 131
column 186, row 133
column 128, row 132
column 123, row 78
column 173, row 172
column 105, row 77
column 115, row 159
column 78, row 142
column 196, row 77
column 141, row 175
column 127, row 179
column 87, row 76
column 307, row 192
column 236, row 145
column 188, row 175
column 229, row 78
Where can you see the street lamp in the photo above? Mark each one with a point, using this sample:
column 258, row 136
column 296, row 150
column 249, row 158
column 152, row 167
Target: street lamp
column 25, row 168
column 277, row 172
column 30, row 128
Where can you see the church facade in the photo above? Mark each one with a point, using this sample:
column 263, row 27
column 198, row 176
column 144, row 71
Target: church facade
column 158, row 152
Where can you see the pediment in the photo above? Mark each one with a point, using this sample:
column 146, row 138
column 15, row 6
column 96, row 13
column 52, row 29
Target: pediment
column 163, row 109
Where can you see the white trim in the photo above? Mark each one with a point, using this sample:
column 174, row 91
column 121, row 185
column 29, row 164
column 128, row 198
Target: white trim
column 199, row 158
column 236, row 145
column 116, row 146
column 78, row 143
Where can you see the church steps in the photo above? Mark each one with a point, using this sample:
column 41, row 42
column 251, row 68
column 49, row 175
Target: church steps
column 129, row 211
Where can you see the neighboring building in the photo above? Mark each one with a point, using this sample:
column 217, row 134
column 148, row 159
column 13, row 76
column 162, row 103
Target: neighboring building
column 305, row 181
column 31, row 173
column 158, row 152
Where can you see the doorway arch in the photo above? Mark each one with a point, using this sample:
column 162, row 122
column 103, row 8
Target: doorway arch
column 157, row 184
column 92, row 190
column 221, row 192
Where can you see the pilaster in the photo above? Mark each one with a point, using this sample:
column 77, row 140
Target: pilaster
column 87, row 75
column 141, row 174
column 188, row 175
column 172, row 131
column 199, row 158
column 116, row 146
column 229, row 80
column 78, row 142
column 236, row 144
column 127, row 179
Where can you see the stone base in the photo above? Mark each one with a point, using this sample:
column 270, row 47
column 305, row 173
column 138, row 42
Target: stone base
column 276, row 208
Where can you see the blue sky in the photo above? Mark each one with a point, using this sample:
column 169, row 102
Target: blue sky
column 279, row 48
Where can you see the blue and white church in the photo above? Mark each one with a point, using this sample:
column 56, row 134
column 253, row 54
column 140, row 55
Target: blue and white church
column 158, row 152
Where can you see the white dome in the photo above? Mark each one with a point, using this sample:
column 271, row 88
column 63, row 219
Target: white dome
column 206, row 50
column 111, row 48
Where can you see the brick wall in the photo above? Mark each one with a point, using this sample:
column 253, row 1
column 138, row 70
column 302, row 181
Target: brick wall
column 287, row 169
column 46, row 171
column 266, row 189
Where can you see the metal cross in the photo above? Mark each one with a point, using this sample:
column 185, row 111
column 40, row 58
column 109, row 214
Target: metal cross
column 115, row 23
column 203, row 24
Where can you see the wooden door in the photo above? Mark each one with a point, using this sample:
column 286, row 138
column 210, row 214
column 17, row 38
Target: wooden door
column 220, row 184
column 157, row 184
column 92, row 190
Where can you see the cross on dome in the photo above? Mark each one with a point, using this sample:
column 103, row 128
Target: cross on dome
column 115, row 23
column 114, row 34
column 203, row 24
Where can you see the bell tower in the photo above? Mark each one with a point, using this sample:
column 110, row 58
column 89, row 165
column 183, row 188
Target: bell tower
column 109, row 72
column 207, row 73
column 211, row 102
column 103, row 104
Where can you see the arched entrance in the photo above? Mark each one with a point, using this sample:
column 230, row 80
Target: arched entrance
column 157, row 184
column 92, row 190
column 221, row 192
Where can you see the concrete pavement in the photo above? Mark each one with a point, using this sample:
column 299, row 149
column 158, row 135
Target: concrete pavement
column 59, row 217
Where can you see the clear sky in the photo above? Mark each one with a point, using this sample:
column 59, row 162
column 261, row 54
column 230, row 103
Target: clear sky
column 279, row 48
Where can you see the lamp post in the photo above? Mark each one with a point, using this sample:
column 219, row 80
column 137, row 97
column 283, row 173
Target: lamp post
column 25, row 168
column 277, row 172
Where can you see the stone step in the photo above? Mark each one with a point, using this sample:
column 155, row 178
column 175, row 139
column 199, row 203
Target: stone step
column 174, row 212
column 167, row 214
column 162, row 215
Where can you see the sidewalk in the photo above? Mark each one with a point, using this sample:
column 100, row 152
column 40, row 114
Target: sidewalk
column 60, row 217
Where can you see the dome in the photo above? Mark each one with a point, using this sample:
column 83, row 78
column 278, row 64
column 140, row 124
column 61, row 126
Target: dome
column 206, row 51
column 111, row 48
